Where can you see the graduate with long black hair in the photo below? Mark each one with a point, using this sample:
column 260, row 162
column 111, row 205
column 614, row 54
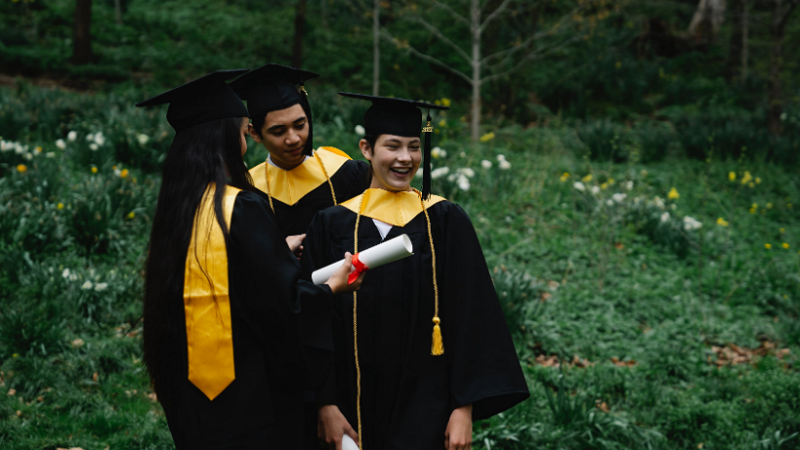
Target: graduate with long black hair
column 298, row 179
column 423, row 349
column 222, row 293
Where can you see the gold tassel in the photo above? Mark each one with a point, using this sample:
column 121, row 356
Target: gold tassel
column 437, row 346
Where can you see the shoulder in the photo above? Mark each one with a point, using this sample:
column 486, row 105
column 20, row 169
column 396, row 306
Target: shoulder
column 447, row 211
column 334, row 151
column 251, row 202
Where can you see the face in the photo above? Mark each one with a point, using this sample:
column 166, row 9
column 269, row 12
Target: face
column 395, row 160
column 284, row 135
column 243, row 132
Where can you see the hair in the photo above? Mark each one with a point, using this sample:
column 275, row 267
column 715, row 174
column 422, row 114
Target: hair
column 199, row 155
column 371, row 139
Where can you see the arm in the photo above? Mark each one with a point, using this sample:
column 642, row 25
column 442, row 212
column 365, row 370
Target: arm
column 458, row 435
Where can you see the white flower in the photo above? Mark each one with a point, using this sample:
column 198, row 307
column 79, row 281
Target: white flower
column 462, row 155
column 100, row 287
column 89, row 137
column 99, row 139
column 618, row 197
column 486, row 164
column 437, row 153
column 439, row 172
column 629, row 185
column 18, row 149
column 61, row 144
column 658, row 202
column 28, row 156
column 463, row 183
column 689, row 223
column 360, row 130
column 142, row 138
column 579, row 186
column 610, row 202
column 468, row 172
column 505, row 165
column 73, row 277
column 71, row 136
column 117, row 172
column 595, row 190
column 665, row 217
column 65, row 273
column 50, row 154
column 501, row 157
column 93, row 147
column 673, row 206
column 87, row 285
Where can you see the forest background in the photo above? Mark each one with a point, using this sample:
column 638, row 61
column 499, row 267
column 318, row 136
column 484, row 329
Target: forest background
column 631, row 168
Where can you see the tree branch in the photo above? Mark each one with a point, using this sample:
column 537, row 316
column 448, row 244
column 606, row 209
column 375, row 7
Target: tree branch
column 452, row 12
column 533, row 55
column 494, row 14
column 442, row 37
column 386, row 35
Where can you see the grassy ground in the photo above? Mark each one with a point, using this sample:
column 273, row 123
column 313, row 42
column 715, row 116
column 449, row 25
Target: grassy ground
column 636, row 328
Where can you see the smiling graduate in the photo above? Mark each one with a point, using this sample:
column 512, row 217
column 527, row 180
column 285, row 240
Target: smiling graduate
column 298, row 179
column 423, row 349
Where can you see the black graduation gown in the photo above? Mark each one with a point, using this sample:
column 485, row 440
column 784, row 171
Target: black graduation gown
column 350, row 180
column 264, row 404
column 408, row 394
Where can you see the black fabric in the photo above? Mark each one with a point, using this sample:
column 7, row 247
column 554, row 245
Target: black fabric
column 408, row 394
column 202, row 100
column 271, row 87
column 350, row 180
column 396, row 116
column 265, row 401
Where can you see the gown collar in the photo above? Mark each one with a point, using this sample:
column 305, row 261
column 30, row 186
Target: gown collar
column 395, row 208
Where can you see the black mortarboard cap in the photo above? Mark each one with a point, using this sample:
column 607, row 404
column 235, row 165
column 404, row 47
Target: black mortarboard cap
column 202, row 100
column 273, row 87
column 400, row 117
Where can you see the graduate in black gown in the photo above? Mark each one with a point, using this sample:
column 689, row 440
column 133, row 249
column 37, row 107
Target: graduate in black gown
column 298, row 179
column 222, row 288
column 433, row 352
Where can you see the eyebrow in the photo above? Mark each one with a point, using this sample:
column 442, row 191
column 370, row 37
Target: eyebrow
column 278, row 127
column 397, row 141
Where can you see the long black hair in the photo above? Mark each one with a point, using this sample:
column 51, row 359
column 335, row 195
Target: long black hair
column 199, row 155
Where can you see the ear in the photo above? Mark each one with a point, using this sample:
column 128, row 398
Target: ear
column 366, row 150
column 252, row 130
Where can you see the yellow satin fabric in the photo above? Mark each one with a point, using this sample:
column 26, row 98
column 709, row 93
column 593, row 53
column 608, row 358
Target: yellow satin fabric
column 289, row 186
column 394, row 208
column 209, row 335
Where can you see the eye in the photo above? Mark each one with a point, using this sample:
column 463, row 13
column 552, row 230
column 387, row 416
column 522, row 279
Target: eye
column 300, row 126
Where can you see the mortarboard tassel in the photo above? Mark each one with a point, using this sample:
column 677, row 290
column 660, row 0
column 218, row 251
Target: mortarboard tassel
column 437, row 345
column 307, row 108
column 426, row 156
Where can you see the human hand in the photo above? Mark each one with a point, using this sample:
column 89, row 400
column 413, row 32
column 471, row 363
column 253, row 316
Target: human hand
column 295, row 244
column 339, row 280
column 458, row 435
column 332, row 426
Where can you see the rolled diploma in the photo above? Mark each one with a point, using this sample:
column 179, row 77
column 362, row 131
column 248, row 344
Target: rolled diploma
column 347, row 442
column 383, row 253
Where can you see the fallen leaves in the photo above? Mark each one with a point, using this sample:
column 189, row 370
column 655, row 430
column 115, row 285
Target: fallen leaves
column 12, row 392
column 732, row 354
column 619, row 363
column 602, row 406
column 77, row 343
column 555, row 361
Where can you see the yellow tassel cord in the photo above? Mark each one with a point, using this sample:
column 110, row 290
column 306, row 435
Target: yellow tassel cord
column 327, row 178
column 437, row 345
column 355, row 331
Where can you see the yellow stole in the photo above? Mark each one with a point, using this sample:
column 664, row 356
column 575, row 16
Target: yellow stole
column 289, row 186
column 394, row 208
column 206, row 299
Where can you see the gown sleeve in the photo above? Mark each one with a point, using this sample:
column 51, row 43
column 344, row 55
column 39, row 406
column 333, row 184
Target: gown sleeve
column 484, row 368
column 319, row 340
column 357, row 180
column 276, row 299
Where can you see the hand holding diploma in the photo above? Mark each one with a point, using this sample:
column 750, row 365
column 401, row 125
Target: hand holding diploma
column 384, row 253
column 339, row 279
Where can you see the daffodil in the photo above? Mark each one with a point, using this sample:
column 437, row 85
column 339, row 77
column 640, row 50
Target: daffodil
column 131, row 215
column 60, row 205
column 747, row 177
column 124, row 173
column 673, row 194
column 751, row 185
column 785, row 245
column 769, row 205
column 487, row 137
column 752, row 210
column 587, row 178
column 782, row 230
column 604, row 186
column 755, row 205
column 732, row 176
column 442, row 123
column 722, row 222
column 758, row 180
column 564, row 177
column 768, row 246
column 94, row 169
column 22, row 168
column 445, row 102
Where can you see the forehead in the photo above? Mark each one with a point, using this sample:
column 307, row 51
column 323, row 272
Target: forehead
column 284, row 116
column 385, row 138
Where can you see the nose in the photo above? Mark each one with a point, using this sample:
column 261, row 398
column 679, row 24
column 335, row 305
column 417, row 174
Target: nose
column 292, row 138
column 404, row 155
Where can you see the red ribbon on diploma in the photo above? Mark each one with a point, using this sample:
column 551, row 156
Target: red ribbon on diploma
column 360, row 268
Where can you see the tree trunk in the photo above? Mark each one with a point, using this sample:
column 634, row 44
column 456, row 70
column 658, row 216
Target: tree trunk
column 745, row 36
column 783, row 8
column 376, row 48
column 707, row 20
column 735, row 48
column 475, row 11
column 82, row 38
column 299, row 32
column 118, row 11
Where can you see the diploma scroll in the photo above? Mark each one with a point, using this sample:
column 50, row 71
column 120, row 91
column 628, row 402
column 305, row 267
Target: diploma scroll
column 348, row 443
column 384, row 253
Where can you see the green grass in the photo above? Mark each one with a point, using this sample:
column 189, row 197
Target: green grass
column 638, row 299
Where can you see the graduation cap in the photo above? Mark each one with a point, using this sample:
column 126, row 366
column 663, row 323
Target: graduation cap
column 273, row 87
column 400, row 117
column 202, row 100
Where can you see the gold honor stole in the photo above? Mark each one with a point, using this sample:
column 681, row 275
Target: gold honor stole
column 290, row 186
column 394, row 208
column 206, row 299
